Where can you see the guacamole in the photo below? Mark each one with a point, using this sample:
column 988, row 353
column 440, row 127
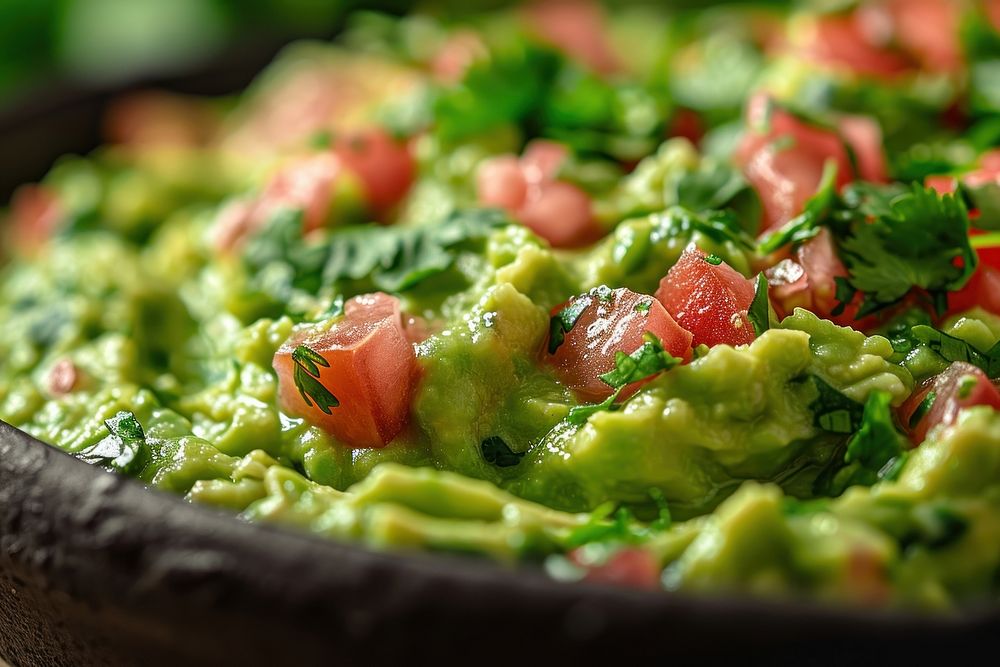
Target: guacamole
column 698, row 300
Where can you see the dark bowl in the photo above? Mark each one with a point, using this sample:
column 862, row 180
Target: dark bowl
column 98, row 570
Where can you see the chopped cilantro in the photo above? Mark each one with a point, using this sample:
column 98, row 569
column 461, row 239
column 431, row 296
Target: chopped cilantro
column 393, row 259
column 917, row 239
column 563, row 322
column 714, row 260
column 496, row 451
column 877, row 441
column 832, row 410
column 123, row 450
column 306, row 377
column 922, row 409
column 650, row 359
column 759, row 312
column 808, row 223
column 955, row 349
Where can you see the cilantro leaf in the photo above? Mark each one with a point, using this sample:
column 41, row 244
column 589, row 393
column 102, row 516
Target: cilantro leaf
column 564, row 321
column 807, row 224
column 392, row 259
column 650, row 359
column 608, row 524
column 832, row 410
column 916, row 239
column 496, row 451
column 306, row 378
column 955, row 349
column 877, row 442
column 646, row 361
column 759, row 312
column 506, row 88
column 123, row 450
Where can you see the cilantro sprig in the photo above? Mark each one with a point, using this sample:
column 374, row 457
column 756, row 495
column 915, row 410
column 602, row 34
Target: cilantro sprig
column 123, row 450
column 392, row 259
column 892, row 240
column 917, row 239
column 306, row 377
column 647, row 361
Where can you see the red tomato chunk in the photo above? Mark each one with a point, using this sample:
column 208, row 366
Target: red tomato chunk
column 370, row 368
column 708, row 298
column 961, row 386
column 611, row 321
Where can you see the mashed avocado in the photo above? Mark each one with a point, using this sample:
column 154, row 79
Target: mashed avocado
column 474, row 302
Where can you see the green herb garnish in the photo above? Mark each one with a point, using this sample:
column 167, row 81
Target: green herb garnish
column 123, row 450
column 306, row 377
column 496, row 451
column 759, row 312
column 650, row 359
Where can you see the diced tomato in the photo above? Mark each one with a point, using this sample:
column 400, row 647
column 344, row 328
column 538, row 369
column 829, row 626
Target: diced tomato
column 64, row 377
column 982, row 290
column 944, row 185
column 561, row 214
column 371, row 369
column 611, row 321
column 709, row 300
column 992, row 8
column 234, row 223
column 853, row 43
column 456, row 55
column 576, row 27
column 783, row 156
column 384, row 165
column 928, row 30
column 785, row 180
column 866, row 577
column 688, row 125
column 500, row 182
column 961, row 386
column 628, row 566
column 525, row 187
column 808, row 280
column 306, row 183
column 864, row 136
column 35, row 214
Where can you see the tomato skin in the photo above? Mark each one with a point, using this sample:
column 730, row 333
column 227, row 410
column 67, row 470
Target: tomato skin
column 382, row 164
column 845, row 42
column 929, row 31
column 710, row 301
column 609, row 323
column 951, row 396
column 808, row 280
column 576, row 27
column 982, row 290
column 786, row 176
column 306, row 183
column 35, row 214
column 500, row 182
column 373, row 372
column 456, row 55
column 527, row 188
column 864, row 136
column 561, row 214
column 628, row 566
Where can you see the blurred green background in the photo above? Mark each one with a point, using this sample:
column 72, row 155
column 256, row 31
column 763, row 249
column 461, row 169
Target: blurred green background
column 105, row 42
